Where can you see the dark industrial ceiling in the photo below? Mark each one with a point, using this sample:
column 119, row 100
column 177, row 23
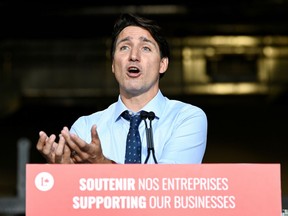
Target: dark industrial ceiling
column 86, row 18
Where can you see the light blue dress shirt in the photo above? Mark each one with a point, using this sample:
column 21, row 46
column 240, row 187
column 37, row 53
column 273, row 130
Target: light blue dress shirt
column 179, row 131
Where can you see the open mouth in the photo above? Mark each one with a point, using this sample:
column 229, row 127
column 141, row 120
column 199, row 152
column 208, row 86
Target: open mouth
column 133, row 70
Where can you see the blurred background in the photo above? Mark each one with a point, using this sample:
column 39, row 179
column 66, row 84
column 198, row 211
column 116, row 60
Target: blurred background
column 228, row 57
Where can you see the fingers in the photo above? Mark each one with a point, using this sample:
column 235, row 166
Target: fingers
column 52, row 151
column 73, row 144
column 49, row 147
column 90, row 149
column 77, row 159
column 59, row 150
column 70, row 148
column 96, row 143
column 94, row 134
column 41, row 141
column 82, row 151
column 46, row 146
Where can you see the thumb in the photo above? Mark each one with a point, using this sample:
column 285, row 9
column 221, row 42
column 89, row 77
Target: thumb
column 94, row 134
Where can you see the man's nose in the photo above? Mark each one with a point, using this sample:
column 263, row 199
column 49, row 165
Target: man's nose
column 134, row 55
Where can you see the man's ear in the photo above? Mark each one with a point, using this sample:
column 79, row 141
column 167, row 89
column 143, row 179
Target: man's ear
column 164, row 65
column 112, row 66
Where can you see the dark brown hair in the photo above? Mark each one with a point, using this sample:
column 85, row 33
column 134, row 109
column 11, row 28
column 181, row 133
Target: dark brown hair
column 154, row 29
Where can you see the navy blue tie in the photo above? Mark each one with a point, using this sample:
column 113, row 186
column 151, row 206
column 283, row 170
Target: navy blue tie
column 133, row 142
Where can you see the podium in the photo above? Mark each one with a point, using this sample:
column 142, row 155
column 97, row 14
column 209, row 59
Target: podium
column 154, row 190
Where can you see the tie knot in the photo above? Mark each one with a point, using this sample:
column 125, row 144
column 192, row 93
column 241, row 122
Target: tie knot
column 134, row 119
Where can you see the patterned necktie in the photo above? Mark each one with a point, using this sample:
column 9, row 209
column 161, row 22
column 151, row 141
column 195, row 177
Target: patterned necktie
column 133, row 142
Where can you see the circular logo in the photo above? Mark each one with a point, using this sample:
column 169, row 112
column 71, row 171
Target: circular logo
column 44, row 181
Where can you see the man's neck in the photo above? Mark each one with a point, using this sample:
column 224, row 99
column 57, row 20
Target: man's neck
column 137, row 102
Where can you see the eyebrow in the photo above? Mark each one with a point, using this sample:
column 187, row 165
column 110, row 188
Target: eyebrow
column 142, row 38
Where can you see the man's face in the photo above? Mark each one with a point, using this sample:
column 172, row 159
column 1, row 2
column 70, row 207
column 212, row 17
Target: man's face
column 137, row 63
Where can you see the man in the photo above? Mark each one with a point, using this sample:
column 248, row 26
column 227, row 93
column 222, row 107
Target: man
column 140, row 57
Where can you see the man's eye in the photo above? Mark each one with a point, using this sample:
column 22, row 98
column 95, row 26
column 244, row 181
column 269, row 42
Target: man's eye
column 146, row 49
column 124, row 48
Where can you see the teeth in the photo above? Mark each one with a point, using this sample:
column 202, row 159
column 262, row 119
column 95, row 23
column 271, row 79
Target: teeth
column 133, row 69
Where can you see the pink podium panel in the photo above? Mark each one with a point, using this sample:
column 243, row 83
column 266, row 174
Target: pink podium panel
column 153, row 190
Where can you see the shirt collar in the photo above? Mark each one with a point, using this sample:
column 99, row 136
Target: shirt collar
column 119, row 108
column 156, row 105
